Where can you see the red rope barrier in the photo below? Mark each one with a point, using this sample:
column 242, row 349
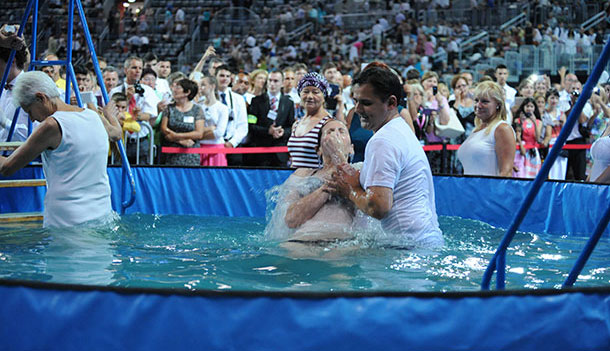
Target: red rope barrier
column 283, row 149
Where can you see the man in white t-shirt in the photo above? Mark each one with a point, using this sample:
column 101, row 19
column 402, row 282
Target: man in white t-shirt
column 395, row 184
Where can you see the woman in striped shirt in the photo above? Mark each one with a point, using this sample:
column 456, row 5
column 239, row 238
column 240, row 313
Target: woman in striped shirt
column 312, row 88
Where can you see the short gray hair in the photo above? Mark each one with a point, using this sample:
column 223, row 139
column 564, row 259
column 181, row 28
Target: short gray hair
column 30, row 83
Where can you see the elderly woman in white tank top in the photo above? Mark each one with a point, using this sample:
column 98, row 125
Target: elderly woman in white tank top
column 74, row 148
column 490, row 149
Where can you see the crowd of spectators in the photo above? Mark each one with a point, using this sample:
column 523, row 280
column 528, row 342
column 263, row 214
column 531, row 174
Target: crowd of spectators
column 240, row 81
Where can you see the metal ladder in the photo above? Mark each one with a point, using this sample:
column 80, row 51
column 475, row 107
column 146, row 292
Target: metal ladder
column 17, row 183
column 128, row 190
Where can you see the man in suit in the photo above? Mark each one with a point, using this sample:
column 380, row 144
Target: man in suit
column 274, row 113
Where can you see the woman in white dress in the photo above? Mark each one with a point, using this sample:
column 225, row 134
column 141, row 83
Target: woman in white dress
column 490, row 149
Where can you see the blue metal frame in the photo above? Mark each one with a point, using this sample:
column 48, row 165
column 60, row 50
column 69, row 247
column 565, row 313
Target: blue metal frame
column 498, row 261
column 128, row 179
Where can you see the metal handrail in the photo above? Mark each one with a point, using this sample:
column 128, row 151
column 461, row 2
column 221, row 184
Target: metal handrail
column 498, row 261
column 151, row 138
column 594, row 21
column 513, row 21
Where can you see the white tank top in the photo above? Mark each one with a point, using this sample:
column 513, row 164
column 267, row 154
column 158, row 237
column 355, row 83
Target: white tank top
column 77, row 183
column 600, row 152
column 478, row 153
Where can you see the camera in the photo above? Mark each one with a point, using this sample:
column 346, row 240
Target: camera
column 10, row 29
column 528, row 114
column 138, row 89
column 331, row 103
column 575, row 93
column 434, row 90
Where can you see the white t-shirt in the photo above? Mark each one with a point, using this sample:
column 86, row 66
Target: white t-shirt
column 395, row 159
column 216, row 115
column 77, row 183
column 600, row 152
column 7, row 112
column 478, row 153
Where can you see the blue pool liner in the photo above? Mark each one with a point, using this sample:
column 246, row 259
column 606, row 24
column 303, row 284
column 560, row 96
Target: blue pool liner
column 47, row 316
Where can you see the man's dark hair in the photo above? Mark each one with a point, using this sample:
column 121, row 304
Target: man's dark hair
column 384, row 82
column 223, row 68
column 149, row 70
column 81, row 69
column 150, row 57
column 327, row 66
column 412, row 74
column 501, row 66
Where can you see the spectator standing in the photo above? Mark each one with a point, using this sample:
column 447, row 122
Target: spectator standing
column 274, row 113
column 183, row 123
column 237, row 126
column 490, row 149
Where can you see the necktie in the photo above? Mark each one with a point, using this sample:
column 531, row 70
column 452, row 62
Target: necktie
column 273, row 104
column 223, row 98
column 132, row 104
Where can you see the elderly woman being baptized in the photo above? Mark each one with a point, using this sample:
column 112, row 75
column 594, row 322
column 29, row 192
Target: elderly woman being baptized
column 308, row 213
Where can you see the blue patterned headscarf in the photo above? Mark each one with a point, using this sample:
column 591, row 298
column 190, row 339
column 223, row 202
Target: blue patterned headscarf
column 313, row 79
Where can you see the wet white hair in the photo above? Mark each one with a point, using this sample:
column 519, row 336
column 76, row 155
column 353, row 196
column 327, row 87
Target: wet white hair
column 30, row 83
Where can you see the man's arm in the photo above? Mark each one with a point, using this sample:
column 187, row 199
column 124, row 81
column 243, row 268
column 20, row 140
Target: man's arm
column 375, row 201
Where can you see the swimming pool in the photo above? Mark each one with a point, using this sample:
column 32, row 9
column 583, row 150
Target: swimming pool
column 152, row 318
column 232, row 253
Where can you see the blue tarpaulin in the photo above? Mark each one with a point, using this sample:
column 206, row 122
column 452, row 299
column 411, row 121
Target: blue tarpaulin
column 43, row 316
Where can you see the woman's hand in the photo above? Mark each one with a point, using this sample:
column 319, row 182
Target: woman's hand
column 186, row 142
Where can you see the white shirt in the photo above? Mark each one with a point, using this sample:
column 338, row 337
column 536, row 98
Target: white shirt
column 216, row 115
column 478, row 153
column 162, row 87
column 587, row 110
column 7, row 112
column 510, row 95
column 395, row 159
column 77, row 183
column 237, row 128
column 600, row 152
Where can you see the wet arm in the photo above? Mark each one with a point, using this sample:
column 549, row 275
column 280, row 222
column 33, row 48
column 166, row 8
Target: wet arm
column 604, row 178
column 305, row 208
column 376, row 201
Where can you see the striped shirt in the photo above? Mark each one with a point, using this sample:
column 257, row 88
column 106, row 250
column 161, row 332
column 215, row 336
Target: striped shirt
column 302, row 149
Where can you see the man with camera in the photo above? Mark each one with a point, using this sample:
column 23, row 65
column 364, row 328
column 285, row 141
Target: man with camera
column 142, row 105
column 577, row 159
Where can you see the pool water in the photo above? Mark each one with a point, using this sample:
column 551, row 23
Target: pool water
column 225, row 253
